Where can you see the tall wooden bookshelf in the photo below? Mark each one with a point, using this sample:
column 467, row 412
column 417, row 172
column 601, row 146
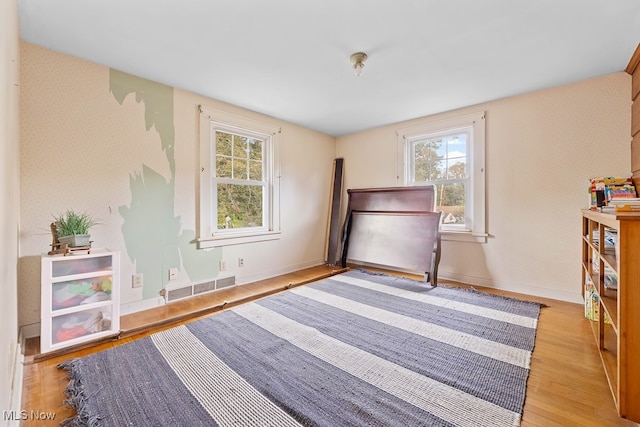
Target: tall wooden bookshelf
column 617, row 325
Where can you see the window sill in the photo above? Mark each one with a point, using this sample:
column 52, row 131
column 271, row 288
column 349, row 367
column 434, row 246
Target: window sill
column 237, row 239
column 463, row 236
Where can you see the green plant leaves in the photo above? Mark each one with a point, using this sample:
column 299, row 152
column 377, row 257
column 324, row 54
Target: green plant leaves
column 72, row 222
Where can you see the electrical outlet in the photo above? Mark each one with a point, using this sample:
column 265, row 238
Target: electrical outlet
column 136, row 281
column 173, row 274
column 240, row 262
column 223, row 265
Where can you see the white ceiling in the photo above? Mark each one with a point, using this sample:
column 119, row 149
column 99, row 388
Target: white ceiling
column 290, row 58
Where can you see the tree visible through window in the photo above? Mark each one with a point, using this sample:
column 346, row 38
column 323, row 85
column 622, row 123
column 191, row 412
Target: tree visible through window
column 240, row 184
column 442, row 160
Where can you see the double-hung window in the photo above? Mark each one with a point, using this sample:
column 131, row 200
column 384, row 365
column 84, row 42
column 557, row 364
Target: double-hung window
column 238, row 183
column 449, row 154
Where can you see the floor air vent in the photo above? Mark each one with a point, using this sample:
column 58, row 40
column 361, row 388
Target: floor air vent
column 186, row 291
column 179, row 293
column 226, row 282
column 204, row 287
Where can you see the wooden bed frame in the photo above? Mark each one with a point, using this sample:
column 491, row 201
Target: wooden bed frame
column 393, row 227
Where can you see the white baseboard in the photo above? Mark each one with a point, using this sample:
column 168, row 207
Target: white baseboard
column 145, row 304
column 525, row 290
column 478, row 281
column 243, row 280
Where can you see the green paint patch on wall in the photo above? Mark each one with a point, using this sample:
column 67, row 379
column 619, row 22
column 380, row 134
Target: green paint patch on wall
column 158, row 102
column 149, row 227
column 154, row 238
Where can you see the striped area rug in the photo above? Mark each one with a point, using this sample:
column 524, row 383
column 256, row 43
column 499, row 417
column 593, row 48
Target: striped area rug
column 355, row 349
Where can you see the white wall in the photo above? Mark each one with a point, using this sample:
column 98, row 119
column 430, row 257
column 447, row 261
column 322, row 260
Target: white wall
column 541, row 149
column 126, row 150
column 10, row 357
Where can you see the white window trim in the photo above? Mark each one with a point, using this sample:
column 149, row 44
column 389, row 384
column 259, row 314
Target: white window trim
column 477, row 153
column 207, row 226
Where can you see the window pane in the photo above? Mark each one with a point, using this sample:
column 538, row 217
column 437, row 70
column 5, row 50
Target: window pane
column 444, row 158
column 255, row 170
column 457, row 169
column 223, row 167
column 223, row 143
column 255, row 149
column 240, row 147
column 239, row 206
column 456, row 154
column 427, row 162
column 451, row 202
column 239, row 168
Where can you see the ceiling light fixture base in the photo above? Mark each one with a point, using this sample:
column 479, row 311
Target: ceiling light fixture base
column 358, row 59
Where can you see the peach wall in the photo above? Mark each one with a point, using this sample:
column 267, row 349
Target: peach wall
column 91, row 141
column 541, row 149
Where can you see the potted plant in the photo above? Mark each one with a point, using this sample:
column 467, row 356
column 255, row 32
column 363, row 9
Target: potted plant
column 73, row 228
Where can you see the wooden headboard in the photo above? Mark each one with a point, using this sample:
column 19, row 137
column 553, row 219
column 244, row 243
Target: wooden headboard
column 393, row 227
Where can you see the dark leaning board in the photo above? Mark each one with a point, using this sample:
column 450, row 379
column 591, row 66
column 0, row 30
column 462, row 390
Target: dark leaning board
column 333, row 232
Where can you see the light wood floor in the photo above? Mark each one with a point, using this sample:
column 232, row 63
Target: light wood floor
column 566, row 387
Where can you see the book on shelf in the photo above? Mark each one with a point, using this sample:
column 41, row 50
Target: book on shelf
column 624, row 200
column 605, row 189
column 625, row 191
column 628, row 204
column 591, row 304
column 627, row 208
column 608, row 209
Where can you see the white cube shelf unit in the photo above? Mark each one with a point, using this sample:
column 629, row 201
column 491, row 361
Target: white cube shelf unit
column 80, row 298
